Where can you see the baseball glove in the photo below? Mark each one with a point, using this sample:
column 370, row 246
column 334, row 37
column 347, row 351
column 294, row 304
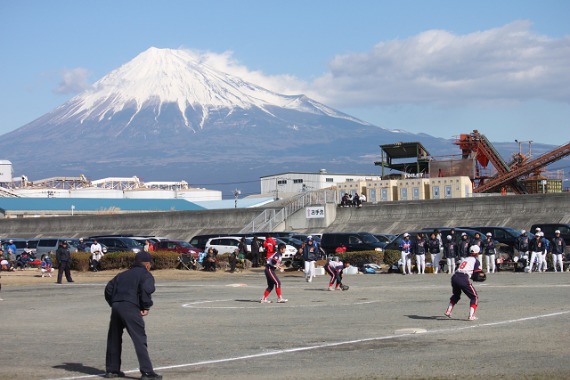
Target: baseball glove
column 479, row 276
column 345, row 287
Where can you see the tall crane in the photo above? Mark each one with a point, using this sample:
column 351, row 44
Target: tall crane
column 532, row 165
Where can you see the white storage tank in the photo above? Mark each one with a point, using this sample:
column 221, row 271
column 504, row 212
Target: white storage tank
column 96, row 193
column 42, row 193
column 194, row 195
column 6, row 171
column 150, row 194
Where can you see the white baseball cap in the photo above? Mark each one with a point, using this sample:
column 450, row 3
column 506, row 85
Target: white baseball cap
column 474, row 249
column 557, row 231
column 489, row 234
column 406, row 234
column 523, row 232
column 538, row 229
column 449, row 237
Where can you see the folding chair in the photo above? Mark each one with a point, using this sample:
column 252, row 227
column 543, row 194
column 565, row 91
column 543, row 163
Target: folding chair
column 186, row 261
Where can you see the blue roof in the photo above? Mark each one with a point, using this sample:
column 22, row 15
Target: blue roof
column 97, row 204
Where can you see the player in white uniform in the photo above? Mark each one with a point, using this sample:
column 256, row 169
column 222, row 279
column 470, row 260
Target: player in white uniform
column 460, row 282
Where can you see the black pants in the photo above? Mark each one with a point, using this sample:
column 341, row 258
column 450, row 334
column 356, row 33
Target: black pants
column 126, row 315
column 64, row 268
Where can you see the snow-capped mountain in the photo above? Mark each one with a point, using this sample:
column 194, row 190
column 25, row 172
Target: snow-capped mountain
column 167, row 116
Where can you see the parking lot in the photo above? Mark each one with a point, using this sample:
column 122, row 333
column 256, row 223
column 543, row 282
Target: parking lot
column 211, row 325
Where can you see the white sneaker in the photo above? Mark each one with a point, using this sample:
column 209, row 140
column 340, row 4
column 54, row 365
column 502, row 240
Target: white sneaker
column 282, row 300
column 473, row 318
column 447, row 314
column 310, row 279
column 331, row 288
column 264, row 300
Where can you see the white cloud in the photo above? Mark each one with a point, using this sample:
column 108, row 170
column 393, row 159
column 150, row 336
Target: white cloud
column 73, row 81
column 507, row 64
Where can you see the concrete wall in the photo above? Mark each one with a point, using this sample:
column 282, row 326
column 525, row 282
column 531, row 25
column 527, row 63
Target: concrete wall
column 511, row 211
column 390, row 217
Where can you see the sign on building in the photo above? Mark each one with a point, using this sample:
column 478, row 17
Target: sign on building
column 315, row 212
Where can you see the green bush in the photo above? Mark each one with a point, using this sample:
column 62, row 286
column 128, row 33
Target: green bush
column 80, row 261
column 391, row 257
column 125, row 260
column 358, row 259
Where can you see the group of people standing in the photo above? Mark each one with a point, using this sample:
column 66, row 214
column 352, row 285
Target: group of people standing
column 533, row 251
column 349, row 200
column 452, row 248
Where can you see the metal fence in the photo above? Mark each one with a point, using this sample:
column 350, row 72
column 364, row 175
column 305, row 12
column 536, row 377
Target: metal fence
column 270, row 218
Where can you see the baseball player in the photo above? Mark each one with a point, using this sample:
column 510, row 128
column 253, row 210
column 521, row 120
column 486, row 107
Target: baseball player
column 522, row 245
column 406, row 251
column 450, row 251
column 334, row 268
column 435, row 251
column 536, row 248
column 273, row 281
column 489, row 249
column 558, row 247
column 419, row 249
column 460, row 282
column 544, row 265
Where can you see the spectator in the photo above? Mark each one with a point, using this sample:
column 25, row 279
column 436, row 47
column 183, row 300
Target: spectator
column 81, row 246
column 22, row 261
column 6, row 266
column 148, row 246
column 362, row 198
column 255, row 251
column 209, row 261
column 47, row 266
column 96, row 255
column 233, row 260
column 11, row 247
column 356, row 200
column 269, row 246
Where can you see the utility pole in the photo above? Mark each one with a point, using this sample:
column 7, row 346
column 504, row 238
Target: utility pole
column 237, row 192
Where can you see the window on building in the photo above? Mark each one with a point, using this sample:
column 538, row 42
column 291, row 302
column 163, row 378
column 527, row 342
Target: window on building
column 282, row 182
column 298, row 180
column 349, row 180
column 329, row 180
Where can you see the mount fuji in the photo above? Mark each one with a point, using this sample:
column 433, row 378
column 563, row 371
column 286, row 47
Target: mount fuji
column 165, row 115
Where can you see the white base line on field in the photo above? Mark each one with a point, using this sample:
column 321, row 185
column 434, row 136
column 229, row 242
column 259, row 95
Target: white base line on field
column 332, row 344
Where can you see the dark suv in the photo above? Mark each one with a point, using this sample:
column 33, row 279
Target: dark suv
column 118, row 243
column 353, row 241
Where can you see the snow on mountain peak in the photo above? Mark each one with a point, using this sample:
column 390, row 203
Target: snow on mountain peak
column 159, row 76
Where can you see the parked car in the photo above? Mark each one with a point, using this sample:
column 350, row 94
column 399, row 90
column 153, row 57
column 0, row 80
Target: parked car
column 292, row 241
column 47, row 245
column 118, row 243
column 199, row 241
column 353, row 241
column 179, row 246
column 226, row 244
column 549, row 228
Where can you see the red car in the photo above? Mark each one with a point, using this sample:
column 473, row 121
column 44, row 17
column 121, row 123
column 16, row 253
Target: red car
column 179, row 246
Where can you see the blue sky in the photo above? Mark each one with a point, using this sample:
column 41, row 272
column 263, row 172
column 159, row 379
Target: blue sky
column 437, row 67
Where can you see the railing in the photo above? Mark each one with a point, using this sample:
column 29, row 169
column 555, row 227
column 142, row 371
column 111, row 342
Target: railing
column 271, row 218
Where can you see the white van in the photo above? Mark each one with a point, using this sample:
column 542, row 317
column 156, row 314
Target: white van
column 226, row 244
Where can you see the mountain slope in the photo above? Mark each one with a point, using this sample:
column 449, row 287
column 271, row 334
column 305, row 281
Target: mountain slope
column 166, row 116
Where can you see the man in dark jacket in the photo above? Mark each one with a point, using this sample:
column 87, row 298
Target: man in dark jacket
column 63, row 257
column 129, row 295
